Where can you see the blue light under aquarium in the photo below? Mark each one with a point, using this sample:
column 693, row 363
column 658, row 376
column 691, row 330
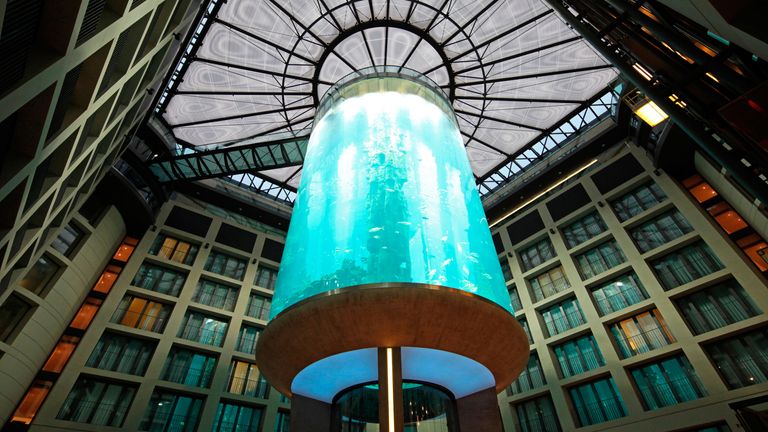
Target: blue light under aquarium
column 387, row 195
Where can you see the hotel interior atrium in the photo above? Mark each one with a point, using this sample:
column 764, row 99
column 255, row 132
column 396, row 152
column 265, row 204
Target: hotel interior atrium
column 610, row 155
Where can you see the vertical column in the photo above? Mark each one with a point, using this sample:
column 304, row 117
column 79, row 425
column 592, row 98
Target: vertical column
column 390, row 390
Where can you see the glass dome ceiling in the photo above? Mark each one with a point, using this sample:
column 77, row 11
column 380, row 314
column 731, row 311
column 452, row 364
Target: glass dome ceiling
column 258, row 68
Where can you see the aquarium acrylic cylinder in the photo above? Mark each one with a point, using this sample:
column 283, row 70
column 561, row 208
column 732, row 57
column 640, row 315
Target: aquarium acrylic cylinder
column 389, row 254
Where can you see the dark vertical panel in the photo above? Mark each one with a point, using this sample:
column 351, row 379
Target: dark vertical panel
column 567, row 202
column 525, row 227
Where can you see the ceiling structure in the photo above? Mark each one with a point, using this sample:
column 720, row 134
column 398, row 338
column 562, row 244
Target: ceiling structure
column 255, row 71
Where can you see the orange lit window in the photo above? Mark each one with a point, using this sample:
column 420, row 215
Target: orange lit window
column 126, row 249
column 756, row 249
column 86, row 313
column 727, row 217
column 61, row 354
column 700, row 189
column 31, row 402
column 107, row 279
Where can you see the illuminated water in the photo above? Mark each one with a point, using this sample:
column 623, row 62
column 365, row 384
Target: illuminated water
column 387, row 195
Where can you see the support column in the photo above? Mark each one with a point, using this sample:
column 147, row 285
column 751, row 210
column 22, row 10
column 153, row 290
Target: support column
column 309, row 414
column 479, row 412
column 390, row 390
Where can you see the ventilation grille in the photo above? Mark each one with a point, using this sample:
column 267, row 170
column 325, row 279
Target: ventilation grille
column 93, row 14
column 18, row 36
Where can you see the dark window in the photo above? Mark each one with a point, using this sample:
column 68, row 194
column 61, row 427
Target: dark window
column 599, row 259
column 741, row 360
column 667, row 382
column 68, row 239
column 41, row 275
column 660, row 230
column 266, row 277
column 583, row 229
column 97, row 402
column 536, row 254
column 562, row 316
column 169, row 412
column 578, row 355
column 505, row 269
column 686, row 265
column 232, row 417
column 203, row 328
column 14, row 311
column 716, row 306
column 159, row 279
column 215, row 295
column 530, row 378
column 637, row 201
column 514, row 298
column 619, row 293
column 597, row 402
column 120, row 353
column 258, row 307
column 189, row 367
column 537, row 415
column 226, row 265
column 247, row 338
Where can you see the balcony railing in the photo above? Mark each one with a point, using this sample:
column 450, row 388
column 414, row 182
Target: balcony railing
column 670, row 392
column 142, row 321
column 218, row 300
column 249, row 387
column 645, row 341
column 171, row 423
column 617, row 301
column 540, row 423
column 601, row 411
column 567, row 321
column 94, row 412
column 203, row 335
column 184, row 374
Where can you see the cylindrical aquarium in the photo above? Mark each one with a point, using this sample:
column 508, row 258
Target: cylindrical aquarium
column 387, row 195
column 390, row 305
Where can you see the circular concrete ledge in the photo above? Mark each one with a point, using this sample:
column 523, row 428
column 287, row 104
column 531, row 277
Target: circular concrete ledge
column 392, row 315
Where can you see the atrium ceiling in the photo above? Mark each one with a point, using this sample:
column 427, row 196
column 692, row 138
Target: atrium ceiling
column 255, row 71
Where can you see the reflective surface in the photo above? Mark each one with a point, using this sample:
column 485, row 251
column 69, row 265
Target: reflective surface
column 425, row 409
column 387, row 195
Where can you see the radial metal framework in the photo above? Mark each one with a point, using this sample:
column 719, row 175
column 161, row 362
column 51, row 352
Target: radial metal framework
column 255, row 70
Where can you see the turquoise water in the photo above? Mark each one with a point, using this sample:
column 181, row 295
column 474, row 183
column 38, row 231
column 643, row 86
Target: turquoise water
column 387, row 195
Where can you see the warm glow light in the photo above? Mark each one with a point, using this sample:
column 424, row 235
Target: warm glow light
column 642, row 71
column 390, row 391
column 546, row 191
column 714, row 78
column 651, row 113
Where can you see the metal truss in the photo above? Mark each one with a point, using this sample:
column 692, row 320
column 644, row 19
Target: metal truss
column 606, row 105
column 229, row 161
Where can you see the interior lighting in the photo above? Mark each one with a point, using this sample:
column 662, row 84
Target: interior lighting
column 651, row 113
column 390, row 392
column 642, row 71
column 645, row 108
